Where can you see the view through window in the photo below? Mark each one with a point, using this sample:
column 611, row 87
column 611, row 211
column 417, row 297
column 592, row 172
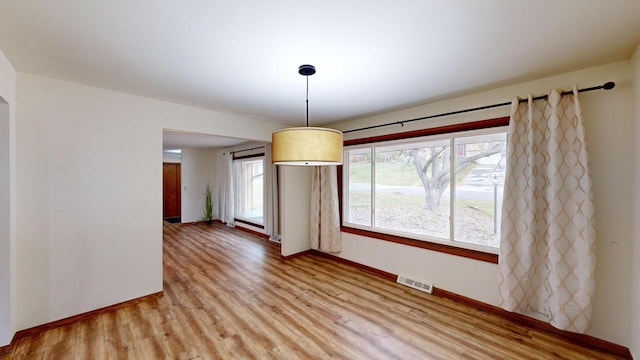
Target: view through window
column 420, row 188
column 250, row 189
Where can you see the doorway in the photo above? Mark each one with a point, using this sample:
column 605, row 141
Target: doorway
column 171, row 200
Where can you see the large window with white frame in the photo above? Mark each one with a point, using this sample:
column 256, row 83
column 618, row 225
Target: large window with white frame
column 249, row 189
column 444, row 188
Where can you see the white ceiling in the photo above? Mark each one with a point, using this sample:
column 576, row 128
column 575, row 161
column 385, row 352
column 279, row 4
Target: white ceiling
column 371, row 55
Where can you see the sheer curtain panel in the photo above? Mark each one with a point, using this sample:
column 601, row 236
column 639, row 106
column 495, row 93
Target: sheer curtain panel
column 547, row 249
column 271, row 186
column 228, row 214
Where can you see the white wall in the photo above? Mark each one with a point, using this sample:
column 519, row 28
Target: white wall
column 609, row 124
column 7, row 200
column 295, row 187
column 5, row 216
column 89, row 232
column 635, row 247
column 198, row 169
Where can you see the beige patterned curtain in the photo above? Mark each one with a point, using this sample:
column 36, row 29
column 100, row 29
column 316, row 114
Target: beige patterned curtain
column 325, row 213
column 547, row 249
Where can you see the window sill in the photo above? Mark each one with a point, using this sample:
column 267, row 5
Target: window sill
column 260, row 226
column 443, row 248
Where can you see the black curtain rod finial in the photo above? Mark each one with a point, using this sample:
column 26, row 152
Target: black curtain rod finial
column 609, row 85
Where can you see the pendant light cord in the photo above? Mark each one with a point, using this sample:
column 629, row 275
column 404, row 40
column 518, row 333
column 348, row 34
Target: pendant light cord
column 306, row 71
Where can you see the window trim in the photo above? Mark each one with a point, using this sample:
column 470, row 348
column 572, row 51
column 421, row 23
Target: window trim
column 244, row 221
column 257, row 155
column 424, row 244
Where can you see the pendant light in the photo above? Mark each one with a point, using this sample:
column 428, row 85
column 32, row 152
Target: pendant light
column 306, row 146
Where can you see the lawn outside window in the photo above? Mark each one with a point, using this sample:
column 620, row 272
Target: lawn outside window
column 443, row 188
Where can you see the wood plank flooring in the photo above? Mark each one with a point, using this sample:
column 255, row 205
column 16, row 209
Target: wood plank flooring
column 227, row 295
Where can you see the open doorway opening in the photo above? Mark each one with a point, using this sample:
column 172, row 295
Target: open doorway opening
column 190, row 164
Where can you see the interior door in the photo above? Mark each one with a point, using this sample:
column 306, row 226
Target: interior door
column 171, row 189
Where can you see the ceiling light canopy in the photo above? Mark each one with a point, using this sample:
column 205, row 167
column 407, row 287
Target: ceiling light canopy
column 307, row 146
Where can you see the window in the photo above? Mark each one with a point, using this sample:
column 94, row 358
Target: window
column 443, row 188
column 249, row 189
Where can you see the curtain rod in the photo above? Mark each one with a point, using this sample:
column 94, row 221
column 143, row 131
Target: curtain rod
column 606, row 86
column 243, row 150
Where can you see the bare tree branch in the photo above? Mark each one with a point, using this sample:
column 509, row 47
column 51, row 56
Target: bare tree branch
column 440, row 175
column 431, row 159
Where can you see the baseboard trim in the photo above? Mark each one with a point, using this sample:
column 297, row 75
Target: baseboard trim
column 6, row 349
column 239, row 227
column 576, row 338
column 386, row 275
column 587, row 341
column 71, row 319
column 289, row 257
column 257, row 233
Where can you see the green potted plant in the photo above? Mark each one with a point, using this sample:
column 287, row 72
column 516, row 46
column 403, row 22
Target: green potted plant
column 207, row 207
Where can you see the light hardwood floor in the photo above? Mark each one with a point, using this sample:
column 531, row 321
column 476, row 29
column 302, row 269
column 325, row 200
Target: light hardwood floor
column 227, row 295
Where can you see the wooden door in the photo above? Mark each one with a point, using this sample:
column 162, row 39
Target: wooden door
column 171, row 189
